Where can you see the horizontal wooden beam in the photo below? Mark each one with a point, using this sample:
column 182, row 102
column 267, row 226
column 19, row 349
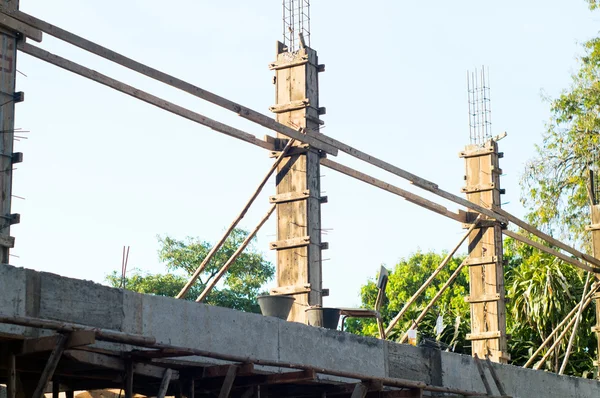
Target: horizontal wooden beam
column 43, row 344
column 290, row 243
column 141, row 95
column 289, row 197
column 409, row 196
column 483, row 299
column 290, row 106
column 475, row 261
column 298, row 289
column 170, row 80
column 115, row 363
column 550, row 251
column 484, row 335
column 18, row 26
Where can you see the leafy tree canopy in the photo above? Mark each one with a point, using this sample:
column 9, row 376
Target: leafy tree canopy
column 238, row 289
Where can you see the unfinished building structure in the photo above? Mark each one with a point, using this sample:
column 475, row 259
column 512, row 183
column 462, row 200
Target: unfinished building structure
column 118, row 339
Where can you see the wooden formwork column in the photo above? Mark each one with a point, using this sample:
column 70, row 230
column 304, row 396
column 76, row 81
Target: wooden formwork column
column 595, row 228
column 298, row 188
column 486, row 272
column 8, row 97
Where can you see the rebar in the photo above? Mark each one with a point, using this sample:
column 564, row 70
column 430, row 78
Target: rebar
column 480, row 114
column 296, row 21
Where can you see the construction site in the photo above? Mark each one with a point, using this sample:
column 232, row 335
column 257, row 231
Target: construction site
column 60, row 336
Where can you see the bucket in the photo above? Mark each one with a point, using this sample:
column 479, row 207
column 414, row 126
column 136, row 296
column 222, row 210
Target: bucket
column 323, row 317
column 277, row 306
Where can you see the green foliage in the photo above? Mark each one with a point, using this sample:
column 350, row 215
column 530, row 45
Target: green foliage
column 406, row 277
column 238, row 289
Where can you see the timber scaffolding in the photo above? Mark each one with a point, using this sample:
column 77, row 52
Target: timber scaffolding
column 300, row 150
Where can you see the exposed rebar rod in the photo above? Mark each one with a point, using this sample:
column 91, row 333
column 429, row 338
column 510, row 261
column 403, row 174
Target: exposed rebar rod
column 235, row 222
column 574, row 333
column 432, row 276
column 235, row 255
column 593, row 290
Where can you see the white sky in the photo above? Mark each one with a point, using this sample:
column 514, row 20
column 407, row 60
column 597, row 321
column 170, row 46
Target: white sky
column 103, row 170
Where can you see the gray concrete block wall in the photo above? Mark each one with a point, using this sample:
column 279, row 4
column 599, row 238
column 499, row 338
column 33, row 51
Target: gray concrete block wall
column 221, row 330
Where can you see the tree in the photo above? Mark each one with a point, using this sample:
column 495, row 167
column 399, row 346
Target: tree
column 238, row 289
column 406, row 277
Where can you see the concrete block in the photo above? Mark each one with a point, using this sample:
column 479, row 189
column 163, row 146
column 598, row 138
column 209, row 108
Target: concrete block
column 13, row 295
column 221, row 330
column 414, row 363
column 331, row 349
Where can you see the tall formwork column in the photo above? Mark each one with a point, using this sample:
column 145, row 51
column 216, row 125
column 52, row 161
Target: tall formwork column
column 8, row 98
column 486, row 272
column 595, row 229
column 298, row 189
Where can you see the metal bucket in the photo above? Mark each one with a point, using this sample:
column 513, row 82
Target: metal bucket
column 323, row 317
column 277, row 306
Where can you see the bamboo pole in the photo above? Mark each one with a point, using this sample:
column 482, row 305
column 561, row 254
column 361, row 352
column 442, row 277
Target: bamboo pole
column 574, row 333
column 559, row 339
column 235, row 255
column 432, row 277
column 437, row 296
column 561, row 324
column 150, row 342
column 235, row 222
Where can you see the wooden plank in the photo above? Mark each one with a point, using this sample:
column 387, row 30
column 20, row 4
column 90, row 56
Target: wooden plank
column 290, row 106
column 172, row 81
column 75, row 339
column 290, row 196
column 129, row 364
column 234, row 256
column 409, row 196
column 555, row 242
column 164, row 384
column 7, row 241
column 478, row 188
column 228, row 382
column 484, row 335
column 291, row 377
column 11, row 382
column 55, row 388
column 141, row 95
column 592, row 227
column 290, row 290
column 548, row 250
column 50, row 367
column 18, row 26
column 469, row 153
column 360, row 391
column 221, row 370
column 111, row 362
column 290, row 243
column 235, row 222
column 595, row 235
column 486, row 384
column 483, row 299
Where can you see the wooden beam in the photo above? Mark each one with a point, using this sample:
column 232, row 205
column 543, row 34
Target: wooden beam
column 11, row 383
column 141, row 95
column 18, row 26
column 291, row 377
column 235, row 222
column 76, row 339
column 360, row 391
column 221, row 370
column 172, row 81
column 484, row 335
column 50, row 367
column 129, row 378
column 409, row 196
column 289, row 197
column 548, row 250
column 228, row 382
column 290, row 290
column 234, row 256
column 55, row 388
column 290, row 243
column 164, row 384
column 554, row 242
column 111, row 362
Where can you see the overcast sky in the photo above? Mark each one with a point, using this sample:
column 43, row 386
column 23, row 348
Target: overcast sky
column 103, row 170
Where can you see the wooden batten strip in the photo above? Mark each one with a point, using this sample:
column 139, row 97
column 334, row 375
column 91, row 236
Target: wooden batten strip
column 488, row 150
column 593, row 227
column 277, row 66
column 478, row 188
column 474, row 261
column 290, row 197
column 484, row 335
column 290, row 243
column 290, row 106
column 7, row 241
column 284, row 290
column 483, row 299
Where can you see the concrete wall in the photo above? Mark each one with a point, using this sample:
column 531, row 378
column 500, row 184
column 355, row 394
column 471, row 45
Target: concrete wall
column 189, row 324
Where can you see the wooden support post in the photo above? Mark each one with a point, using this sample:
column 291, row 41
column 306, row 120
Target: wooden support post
column 8, row 75
column 486, row 279
column 228, row 382
column 595, row 210
column 129, row 379
column 164, row 384
column 297, row 80
column 55, row 388
column 50, row 367
column 11, row 386
column 360, row 391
